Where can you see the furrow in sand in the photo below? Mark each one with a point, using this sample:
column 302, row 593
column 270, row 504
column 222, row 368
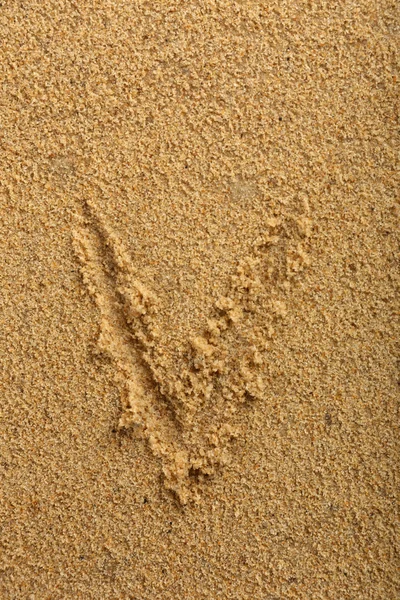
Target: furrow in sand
column 189, row 419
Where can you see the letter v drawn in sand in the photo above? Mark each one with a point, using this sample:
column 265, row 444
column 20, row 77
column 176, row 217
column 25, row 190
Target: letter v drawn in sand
column 189, row 421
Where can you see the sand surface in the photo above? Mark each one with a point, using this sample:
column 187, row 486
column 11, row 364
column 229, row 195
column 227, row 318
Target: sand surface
column 199, row 307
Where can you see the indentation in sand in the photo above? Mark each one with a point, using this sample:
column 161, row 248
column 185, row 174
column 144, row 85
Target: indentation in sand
column 189, row 419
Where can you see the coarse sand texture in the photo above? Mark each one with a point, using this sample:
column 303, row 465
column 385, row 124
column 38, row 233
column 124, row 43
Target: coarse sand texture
column 199, row 300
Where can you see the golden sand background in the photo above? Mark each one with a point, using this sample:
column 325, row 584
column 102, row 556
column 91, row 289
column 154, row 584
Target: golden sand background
column 199, row 321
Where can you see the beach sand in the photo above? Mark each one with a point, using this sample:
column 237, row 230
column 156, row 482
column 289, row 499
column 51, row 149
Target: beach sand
column 199, row 341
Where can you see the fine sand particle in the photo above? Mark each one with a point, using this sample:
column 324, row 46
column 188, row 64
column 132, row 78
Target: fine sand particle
column 199, row 306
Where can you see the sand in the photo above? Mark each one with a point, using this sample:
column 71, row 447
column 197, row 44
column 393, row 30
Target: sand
column 199, row 307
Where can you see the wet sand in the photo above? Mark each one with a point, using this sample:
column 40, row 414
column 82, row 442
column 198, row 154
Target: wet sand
column 199, row 234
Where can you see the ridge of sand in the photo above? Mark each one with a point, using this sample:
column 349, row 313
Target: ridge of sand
column 188, row 419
